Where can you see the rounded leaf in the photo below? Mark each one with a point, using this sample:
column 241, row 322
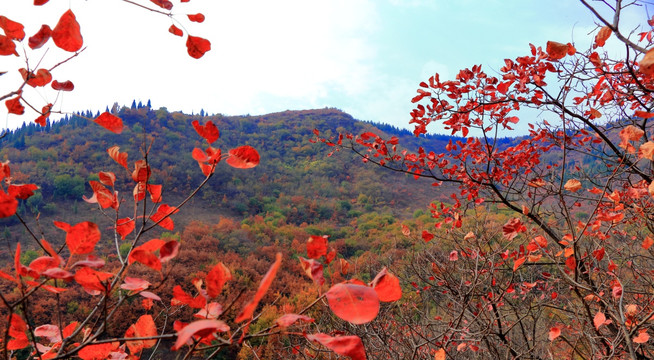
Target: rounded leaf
column 66, row 35
column 358, row 304
column 243, row 157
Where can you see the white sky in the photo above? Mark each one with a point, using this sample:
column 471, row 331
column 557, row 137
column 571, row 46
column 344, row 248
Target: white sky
column 365, row 57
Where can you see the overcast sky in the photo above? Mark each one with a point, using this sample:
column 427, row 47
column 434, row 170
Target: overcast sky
column 365, row 57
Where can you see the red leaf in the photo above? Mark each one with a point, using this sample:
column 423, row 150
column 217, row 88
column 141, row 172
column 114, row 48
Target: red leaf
column 556, row 50
column 120, row 158
column 642, row 337
column 22, row 192
column 8, row 204
column 248, row 310
column 512, row 228
column 287, row 320
column 175, row 30
column 518, row 262
column 647, row 243
column 162, row 216
column 13, row 30
column 357, row 304
column 313, row 269
column 97, row 351
column 427, row 236
column 454, row 255
column 201, row 328
column 216, row 279
column 243, row 157
column 343, row 345
column 81, row 238
column 40, row 38
column 169, row 251
column 554, row 333
column 196, row 17
column 387, row 286
column 44, row 263
column 599, row 320
column 144, row 327
column 101, row 195
column 646, row 64
column 41, row 78
column 124, row 227
column 209, row 131
column 317, row 246
column 17, row 330
column 155, row 192
column 110, row 122
column 197, row 46
column 211, row 311
column 147, row 258
column 8, row 47
column 164, row 4
column 91, row 261
column 181, row 297
column 134, row 284
column 63, row 86
column 93, row 282
column 66, row 35
column 57, row 273
column 14, row 106
column 51, row 332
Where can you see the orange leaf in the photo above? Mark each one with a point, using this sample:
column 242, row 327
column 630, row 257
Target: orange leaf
column 602, row 35
column 144, row 327
column 350, row 346
column 599, row 320
column 216, row 279
column 440, row 354
column 556, row 50
column 518, row 262
column 646, row 64
column 110, row 122
column 573, row 185
column 642, row 337
column 243, row 157
column 357, row 304
column 66, row 35
column 80, row 238
column 647, row 243
column 387, row 286
column 554, row 333
column 646, row 150
column 197, row 46
column 248, row 310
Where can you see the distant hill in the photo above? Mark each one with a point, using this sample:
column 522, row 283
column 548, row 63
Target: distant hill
column 295, row 178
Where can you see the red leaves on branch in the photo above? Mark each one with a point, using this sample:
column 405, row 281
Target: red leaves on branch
column 101, row 195
column 208, row 131
column 216, row 279
column 162, row 216
column 243, row 157
column 317, row 246
column 181, row 297
column 248, row 310
column 80, row 238
column 343, row 345
column 357, row 304
column 110, row 122
column 557, row 51
column 125, row 226
column 175, row 30
column 197, row 46
column 66, row 35
column 198, row 18
column 13, row 30
column 40, row 38
column 63, row 86
column 387, row 286
column 93, row 282
column 512, row 228
column 200, row 328
column 41, row 78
